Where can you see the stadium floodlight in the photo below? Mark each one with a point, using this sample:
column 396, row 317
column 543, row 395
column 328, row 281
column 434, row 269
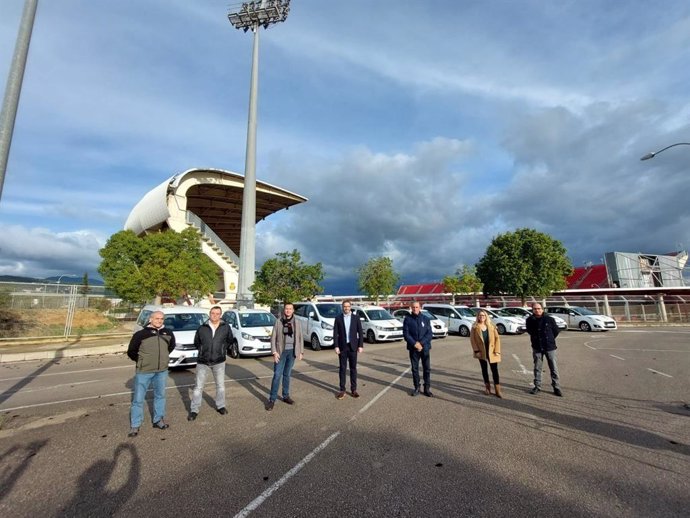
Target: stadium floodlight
column 655, row 153
column 252, row 15
column 255, row 14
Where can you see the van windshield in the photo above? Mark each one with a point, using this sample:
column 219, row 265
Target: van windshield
column 184, row 321
column 329, row 310
column 256, row 319
column 379, row 314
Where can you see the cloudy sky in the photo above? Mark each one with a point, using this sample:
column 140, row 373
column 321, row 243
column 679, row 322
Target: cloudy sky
column 418, row 130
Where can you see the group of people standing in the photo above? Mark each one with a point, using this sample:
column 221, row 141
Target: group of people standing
column 151, row 346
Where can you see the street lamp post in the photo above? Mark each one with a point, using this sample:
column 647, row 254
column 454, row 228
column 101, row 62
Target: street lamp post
column 655, row 153
column 57, row 288
column 252, row 16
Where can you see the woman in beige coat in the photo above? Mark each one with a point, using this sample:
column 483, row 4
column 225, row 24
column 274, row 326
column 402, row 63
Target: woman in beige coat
column 486, row 344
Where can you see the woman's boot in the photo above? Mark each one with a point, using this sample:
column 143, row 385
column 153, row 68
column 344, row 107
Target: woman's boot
column 487, row 389
column 498, row 390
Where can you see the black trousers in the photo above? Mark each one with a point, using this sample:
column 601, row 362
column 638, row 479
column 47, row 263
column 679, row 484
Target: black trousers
column 348, row 355
column 425, row 356
column 485, row 371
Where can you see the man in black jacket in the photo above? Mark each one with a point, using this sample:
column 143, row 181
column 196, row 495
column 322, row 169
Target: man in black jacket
column 150, row 348
column 543, row 331
column 212, row 339
column 348, row 338
column 417, row 333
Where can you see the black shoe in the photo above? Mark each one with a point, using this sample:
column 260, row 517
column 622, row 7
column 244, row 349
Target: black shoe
column 192, row 416
column 288, row 400
column 133, row 432
column 558, row 392
column 222, row 411
column 161, row 425
column 355, row 394
column 535, row 390
column 415, row 392
column 269, row 405
column 428, row 393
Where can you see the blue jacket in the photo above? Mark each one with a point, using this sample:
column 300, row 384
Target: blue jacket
column 417, row 328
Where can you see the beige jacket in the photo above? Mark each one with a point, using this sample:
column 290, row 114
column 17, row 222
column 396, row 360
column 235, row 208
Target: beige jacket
column 477, row 341
column 278, row 338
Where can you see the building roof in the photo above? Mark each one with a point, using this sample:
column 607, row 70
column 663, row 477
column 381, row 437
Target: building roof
column 214, row 195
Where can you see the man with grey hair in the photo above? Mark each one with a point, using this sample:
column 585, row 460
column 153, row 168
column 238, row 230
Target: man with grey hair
column 543, row 331
column 150, row 348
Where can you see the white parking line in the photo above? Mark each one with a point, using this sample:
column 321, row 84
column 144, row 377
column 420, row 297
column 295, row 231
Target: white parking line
column 254, row 504
column 524, row 370
column 617, row 357
column 659, row 372
column 66, row 373
column 587, row 345
column 39, row 389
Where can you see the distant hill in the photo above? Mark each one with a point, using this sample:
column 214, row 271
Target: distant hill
column 51, row 280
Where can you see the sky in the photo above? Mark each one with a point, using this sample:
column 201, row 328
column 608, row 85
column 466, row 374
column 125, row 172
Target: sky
column 418, row 130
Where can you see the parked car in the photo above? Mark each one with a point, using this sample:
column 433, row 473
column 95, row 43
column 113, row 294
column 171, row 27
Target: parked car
column 582, row 318
column 316, row 320
column 183, row 321
column 458, row 319
column 438, row 328
column 525, row 312
column 505, row 322
column 251, row 330
column 378, row 324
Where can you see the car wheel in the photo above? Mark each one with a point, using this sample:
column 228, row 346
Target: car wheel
column 234, row 350
column 464, row 331
column 315, row 344
column 371, row 337
column 501, row 329
column 585, row 326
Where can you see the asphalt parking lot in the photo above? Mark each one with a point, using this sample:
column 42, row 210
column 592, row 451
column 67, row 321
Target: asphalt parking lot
column 617, row 444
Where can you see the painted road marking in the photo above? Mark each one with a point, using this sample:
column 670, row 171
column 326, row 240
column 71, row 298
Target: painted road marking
column 617, row 357
column 66, row 373
column 659, row 372
column 524, row 370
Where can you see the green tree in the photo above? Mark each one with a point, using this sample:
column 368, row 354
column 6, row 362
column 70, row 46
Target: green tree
column 84, row 289
column 465, row 280
column 139, row 269
column 524, row 263
column 377, row 277
column 286, row 278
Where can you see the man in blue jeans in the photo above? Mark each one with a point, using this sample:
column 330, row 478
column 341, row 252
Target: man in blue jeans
column 150, row 348
column 543, row 331
column 287, row 344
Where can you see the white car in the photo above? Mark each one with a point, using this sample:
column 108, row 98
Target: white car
column 183, row 321
column 582, row 318
column 316, row 320
column 458, row 319
column 505, row 322
column 378, row 324
column 251, row 331
column 524, row 313
column 438, row 328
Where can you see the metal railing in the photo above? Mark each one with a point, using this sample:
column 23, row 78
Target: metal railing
column 208, row 233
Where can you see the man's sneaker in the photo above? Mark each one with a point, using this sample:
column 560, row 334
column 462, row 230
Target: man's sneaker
column 222, row 411
column 161, row 425
column 269, row 405
column 415, row 392
column 133, row 432
column 558, row 392
column 340, row 395
column 289, row 400
column 535, row 390
column 428, row 393
column 192, row 416
column 355, row 394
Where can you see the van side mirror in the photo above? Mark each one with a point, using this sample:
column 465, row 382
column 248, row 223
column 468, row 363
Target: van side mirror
column 312, row 315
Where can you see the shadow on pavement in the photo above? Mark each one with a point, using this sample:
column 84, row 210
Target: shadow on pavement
column 10, row 476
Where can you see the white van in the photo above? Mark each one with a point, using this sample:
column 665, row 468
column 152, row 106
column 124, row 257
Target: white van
column 459, row 319
column 316, row 320
column 378, row 324
column 183, row 321
column 251, row 331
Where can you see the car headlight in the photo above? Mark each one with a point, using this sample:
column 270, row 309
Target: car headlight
column 326, row 326
column 247, row 336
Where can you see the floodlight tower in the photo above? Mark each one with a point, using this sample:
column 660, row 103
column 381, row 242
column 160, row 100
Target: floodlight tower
column 655, row 153
column 252, row 16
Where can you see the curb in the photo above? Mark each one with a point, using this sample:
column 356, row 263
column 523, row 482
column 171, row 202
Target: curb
column 62, row 353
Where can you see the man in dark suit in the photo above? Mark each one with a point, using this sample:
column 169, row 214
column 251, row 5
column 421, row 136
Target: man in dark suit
column 348, row 339
column 418, row 335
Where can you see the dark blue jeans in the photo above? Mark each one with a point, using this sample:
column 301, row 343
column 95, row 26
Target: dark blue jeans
column 425, row 356
column 282, row 369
